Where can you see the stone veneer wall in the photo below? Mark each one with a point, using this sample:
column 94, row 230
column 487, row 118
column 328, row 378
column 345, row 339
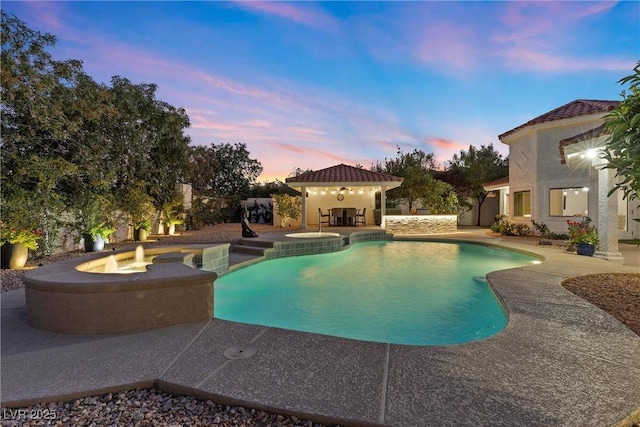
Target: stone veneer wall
column 420, row 224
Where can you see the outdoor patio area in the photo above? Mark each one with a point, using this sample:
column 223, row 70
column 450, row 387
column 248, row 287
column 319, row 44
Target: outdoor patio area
column 559, row 362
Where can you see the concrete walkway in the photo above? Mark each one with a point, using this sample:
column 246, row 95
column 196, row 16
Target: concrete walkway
column 559, row 362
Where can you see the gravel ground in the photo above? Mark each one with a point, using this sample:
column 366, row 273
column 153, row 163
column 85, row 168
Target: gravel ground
column 618, row 294
column 146, row 408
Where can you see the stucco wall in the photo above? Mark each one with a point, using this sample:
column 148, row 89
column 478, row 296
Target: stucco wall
column 535, row 165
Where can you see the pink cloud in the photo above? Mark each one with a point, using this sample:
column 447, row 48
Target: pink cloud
column 448, row 45
column 522, row 58
column 306, row 15
column 47, row 13
column 533, row 35
column 310, row 153
column 445, row 144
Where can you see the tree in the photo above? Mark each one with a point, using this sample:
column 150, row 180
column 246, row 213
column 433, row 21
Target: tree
column 147, row 143
column 36, row 129
column 622, row 149
column 223, row 170
column 415, row 169
column 476, row 167
column 267, row 189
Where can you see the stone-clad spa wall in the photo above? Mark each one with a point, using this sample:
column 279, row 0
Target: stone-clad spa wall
column 420, row 224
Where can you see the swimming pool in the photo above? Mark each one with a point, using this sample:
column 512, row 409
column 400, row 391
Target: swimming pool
column 417, row 293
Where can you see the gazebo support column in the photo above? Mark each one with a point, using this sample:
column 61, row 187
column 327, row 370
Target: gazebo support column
column 607, row 209
column 303, row 191
column 383, row 205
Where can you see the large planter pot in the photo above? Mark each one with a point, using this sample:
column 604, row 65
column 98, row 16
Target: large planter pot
column 140, row 235
column 169, row 229
column 586, row 249
column 93, row 245
column 14, row 255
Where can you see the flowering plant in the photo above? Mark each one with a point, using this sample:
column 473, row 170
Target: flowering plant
column 27, row 236
column 582, row 232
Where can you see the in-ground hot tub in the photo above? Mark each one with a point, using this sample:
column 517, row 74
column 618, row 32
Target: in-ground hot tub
column 61, row 298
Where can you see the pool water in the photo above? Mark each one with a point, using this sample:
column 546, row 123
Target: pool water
column 417, row 293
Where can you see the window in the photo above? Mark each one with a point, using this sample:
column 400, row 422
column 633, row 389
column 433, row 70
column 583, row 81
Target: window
column 569, row 202
column 522, row 203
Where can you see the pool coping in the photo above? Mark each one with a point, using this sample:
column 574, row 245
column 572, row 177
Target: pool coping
column 559, row 361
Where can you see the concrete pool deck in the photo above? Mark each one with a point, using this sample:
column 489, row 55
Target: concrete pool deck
column 560, row 361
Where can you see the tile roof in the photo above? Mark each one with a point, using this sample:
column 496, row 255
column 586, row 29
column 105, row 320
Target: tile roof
column 584, row 136
column 497, row 182
column 343, row 173
column 579, row 107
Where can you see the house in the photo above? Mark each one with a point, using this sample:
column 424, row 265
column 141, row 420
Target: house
column 341, row 186
column 556, row 174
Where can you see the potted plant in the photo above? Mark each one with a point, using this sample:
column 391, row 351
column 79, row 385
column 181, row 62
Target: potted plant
column 15, row 245
column 96, row 236
column 138, row 206
column 172, row 214
column 141, row 229
column 583, row 236
column 170, row 225
column 91, row 219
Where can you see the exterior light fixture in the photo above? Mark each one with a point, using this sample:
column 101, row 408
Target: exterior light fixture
column 591, row 154
column 585, row 189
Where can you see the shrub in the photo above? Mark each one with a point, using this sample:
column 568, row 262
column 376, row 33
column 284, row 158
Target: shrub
column 506, row 228
column 541, row 228
column 288, row 207
column 521, row 229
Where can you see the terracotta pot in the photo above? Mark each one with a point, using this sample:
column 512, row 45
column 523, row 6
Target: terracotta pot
column 586, row 249
column 14, row 255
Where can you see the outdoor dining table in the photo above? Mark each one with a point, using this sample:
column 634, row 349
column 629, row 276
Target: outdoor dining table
column 344, row 216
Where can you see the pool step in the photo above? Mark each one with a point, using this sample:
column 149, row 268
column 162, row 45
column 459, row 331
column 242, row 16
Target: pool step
column 252, row 247
column 256, row 243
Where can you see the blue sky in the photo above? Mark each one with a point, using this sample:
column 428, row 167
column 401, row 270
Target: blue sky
column 311, row 85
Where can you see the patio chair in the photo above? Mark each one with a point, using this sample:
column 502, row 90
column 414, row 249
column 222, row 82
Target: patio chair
column 321, row 216
column 360, row 217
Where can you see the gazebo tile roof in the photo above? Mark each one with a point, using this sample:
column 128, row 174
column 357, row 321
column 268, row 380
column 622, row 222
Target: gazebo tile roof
column 579, row 107
column 343, row 173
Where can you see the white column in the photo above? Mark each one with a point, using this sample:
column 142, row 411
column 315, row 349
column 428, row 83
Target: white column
column 303, row 190
column 607, row 217
column 383, row 205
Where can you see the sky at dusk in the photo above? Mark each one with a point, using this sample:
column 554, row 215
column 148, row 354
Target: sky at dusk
column 310, row 85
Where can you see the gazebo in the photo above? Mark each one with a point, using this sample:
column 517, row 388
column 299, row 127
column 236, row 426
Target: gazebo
column 341, row 186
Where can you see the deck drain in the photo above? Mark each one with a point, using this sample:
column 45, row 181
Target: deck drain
column 240, row 351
